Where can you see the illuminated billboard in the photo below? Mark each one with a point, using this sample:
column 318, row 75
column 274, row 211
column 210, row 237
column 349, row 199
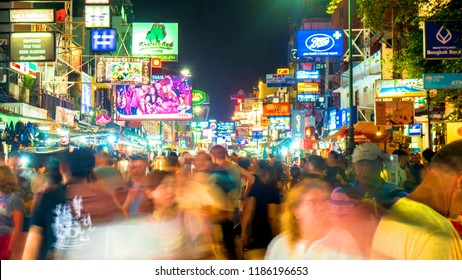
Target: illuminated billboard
column 276, row 109
column 167, row 98
column 32, row 16
column 103, row 40
column 317, row 43
column 279, row 123
column 98, row 2
column 123, row 70
column 97, row 16
column 33, row 46
column 155, row 40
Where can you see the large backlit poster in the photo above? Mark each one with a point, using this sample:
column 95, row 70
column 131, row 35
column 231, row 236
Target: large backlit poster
column 97, row 16
column 64, row 116
column 33, row 46
column 155, row 40
column 167, row 98
column 123, row 70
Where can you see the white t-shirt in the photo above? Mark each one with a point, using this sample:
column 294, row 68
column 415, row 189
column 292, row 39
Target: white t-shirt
column 337, row 244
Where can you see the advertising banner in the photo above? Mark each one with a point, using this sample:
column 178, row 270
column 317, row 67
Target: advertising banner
column 279, row 123
column 26, row 68
column 394, row 112
column 282, row 80
column 307, row 87
column 64, row 116
column 32, row 16
column 442, row 80
column 302, row 75
column 307, row 97
column 103, row 40
column 167, row 98
column 87, row 94
column 225, row 128
column 123, row 70
column 399, row 88
column 276, row 109
column 298, row 124
column 339, row 118
column 33, row 46
column 441, row 42
column 319, row 43
column 98, row 2
column 415, row 129
column 97, row 16
column 155, row 40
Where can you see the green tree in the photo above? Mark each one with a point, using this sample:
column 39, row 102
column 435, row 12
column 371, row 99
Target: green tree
column 157, row 33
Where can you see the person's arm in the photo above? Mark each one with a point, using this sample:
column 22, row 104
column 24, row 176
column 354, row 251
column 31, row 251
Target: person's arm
column 18, row 219
column 33, row 243
column 273, row 218
column 246, row 220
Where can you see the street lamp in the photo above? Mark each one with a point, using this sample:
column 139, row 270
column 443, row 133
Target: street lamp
column 351, row 128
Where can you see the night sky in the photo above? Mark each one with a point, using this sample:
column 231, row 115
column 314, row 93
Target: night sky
column 227, row 45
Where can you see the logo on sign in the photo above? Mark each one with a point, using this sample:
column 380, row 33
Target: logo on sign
column 320, row 43
column 443, row 38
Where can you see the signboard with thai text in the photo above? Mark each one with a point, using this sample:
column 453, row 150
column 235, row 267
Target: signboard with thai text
column 276, row 109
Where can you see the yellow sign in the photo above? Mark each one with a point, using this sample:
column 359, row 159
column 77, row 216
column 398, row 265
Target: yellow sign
column 282, row 71
column 454, row 131
column 307, row 87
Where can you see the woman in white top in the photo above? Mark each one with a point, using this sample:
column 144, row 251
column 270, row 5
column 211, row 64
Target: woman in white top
column 309, row 232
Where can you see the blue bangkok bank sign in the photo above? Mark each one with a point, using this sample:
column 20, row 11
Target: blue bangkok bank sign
column 319, row 43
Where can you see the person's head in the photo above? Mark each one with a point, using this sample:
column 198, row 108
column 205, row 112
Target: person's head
column 186, row 159
column 8, row 180
column 171, row 163
column 305, row 207
column 202, row 162
column 254, row 164
column 266, row 172
column 244, row 162
column 80, row 163
column 137, row 167
column 446, row 175
column 403, row 157
column 316, row 165
column 416, row 158
column 39, row 167
column 160, row 188
column 102, row 158
column 218, row 153
column 427, row 155
column 367, row 162
column 332, row 158
column 302, row 163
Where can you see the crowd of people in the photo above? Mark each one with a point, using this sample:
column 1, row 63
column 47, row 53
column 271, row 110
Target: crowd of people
column 213, row 205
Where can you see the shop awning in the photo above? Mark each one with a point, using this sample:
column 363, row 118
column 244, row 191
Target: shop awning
column 338, row 133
